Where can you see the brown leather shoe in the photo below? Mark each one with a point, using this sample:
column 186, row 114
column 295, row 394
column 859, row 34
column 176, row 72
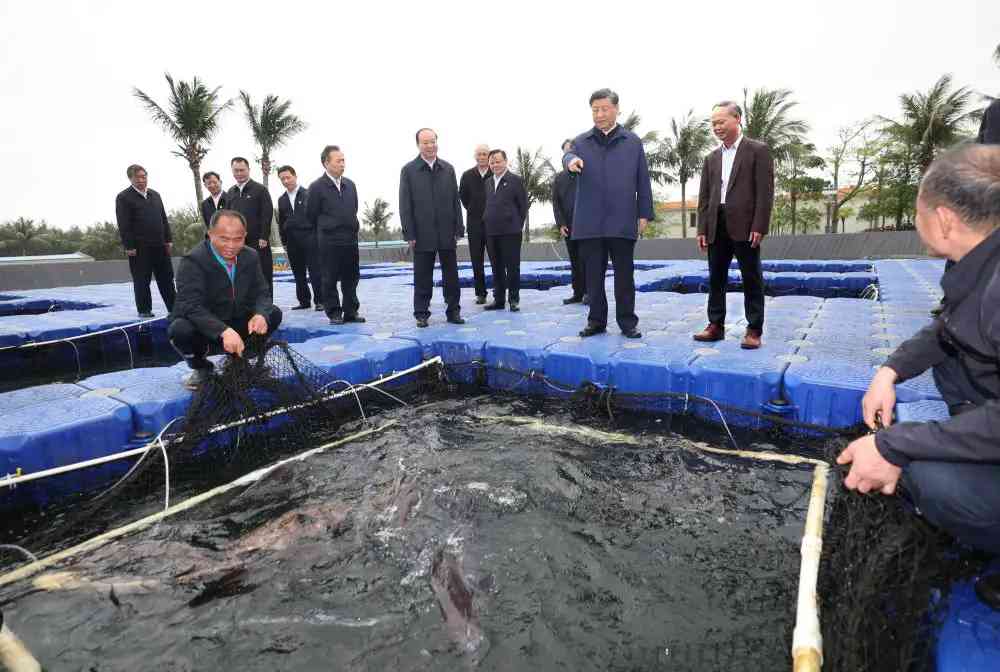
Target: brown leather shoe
column 751, row 340
column 713, row 332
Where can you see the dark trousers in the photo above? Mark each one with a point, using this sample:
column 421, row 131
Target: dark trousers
column 477, row 255
column 423, row 282
column 595, row 253
column 505, row 260
column 302, row 248
column 340, row 263
column 579, row 280
column 962, row 498
column 194, row 346
column 267, row 265
column 152, row 261
column 720, row 255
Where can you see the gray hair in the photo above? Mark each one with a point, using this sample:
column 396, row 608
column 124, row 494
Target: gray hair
column 602, row 94
column 966, row 179
column 133, row 169
column 730, row 107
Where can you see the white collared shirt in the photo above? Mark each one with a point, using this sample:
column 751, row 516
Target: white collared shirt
column 608, row 132
column 336, row 181
column 496, row 180
column 482, row 171
column 240, row 186
column 216, row 199
column 144, row 194
column 728, row 158
column 291, row 197
column 430, row 164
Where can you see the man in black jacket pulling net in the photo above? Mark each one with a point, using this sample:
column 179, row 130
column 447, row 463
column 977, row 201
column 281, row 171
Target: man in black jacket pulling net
column 949, row 470
column 222, row 297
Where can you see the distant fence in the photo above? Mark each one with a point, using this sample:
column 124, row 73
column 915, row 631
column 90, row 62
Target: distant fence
column 874, row 245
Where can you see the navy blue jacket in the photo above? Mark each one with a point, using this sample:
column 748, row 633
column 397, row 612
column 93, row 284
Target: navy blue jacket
column 613, row 191
column 141, row 221
column 255, row 206
column 332, row 212
column 963, row 348
column 472, row 192
column 989, row 128
column 506, row 205
column 208, row 208
column 564, row 198
column 293, row 220
column 429, row 209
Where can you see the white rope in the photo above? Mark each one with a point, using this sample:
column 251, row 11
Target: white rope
column 166, row 474
column 79, row 364
column 11, row 481
column 89, row 334
column 128, row 342
column 13, row 547
column 380, row 391
column 357, row 398
column 807, row 638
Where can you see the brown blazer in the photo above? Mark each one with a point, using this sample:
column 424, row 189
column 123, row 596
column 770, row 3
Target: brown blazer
column 750, row 195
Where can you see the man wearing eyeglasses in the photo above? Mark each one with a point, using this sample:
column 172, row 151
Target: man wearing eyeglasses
column 949, row 470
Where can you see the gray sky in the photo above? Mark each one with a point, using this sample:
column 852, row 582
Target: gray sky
column 366, row 75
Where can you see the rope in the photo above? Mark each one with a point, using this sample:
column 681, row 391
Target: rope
column 78, row 337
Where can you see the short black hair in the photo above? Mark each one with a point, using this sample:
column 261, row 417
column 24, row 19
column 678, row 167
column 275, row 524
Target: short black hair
column 326, row 153
column 419, row 131
column 239, row 159
column 966, row 179
column 209, row 174
column 500, row 152
column 285, row 169
column 731, row 107
column 219, row 214
column 564, row 143
column 601, row 94
column 133, row 169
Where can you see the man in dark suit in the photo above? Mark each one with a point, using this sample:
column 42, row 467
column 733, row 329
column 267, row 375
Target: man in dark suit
column 252, row 200
column 222, row 297
column 145, row 234
column 472, row 192
column 614, row 203
column 431, row 216
column 216, row 198
column 332, row 211
column 298, row 236
column 734, row 214
column 503, row 219
column 563, row 202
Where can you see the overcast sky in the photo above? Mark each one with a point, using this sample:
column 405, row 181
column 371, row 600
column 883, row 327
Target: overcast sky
column 366, row 75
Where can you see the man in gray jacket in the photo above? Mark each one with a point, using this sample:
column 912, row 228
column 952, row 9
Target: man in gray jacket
column 431, row 216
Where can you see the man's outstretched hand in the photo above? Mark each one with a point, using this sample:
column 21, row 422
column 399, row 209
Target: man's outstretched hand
column 869, row 470
column 232, row 343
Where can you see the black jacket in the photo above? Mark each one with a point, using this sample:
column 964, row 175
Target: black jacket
column 332, row 212
column 506, row 205
column 989, row 129
column 142, row 221
column 472, row 192
column 255, row 204
column 293, row 220
column 208, row 208
column 963, row 347
column 564, row 198
column 207, row 298
column 429, row 209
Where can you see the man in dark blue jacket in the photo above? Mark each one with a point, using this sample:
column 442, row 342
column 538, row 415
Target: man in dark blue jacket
column 332, row 210
column 216, row 199
column 252, row 200
column 222, row 297
column 563, row 201
column 145, row 234
column 614, row 203
column 431, row 216
column 472, row 192
column 503, row 219
column 949, row 469
column 298, row 236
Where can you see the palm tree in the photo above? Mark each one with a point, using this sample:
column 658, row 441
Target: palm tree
column 767, row 117
column 191, row 119
column 656, row 157
column 685, row 152
column 24, row 237
column 537, row 172
column 376, row 217
column 933, row 120
column 272, row 125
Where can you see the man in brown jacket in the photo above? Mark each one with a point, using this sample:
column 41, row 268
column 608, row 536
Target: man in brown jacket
column 734, row 213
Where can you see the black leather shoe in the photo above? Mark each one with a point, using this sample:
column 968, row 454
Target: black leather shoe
column 988, row 590
column 514, row 308
column 456, row 319
column 632, row 333
column 480, row 300
column 592, row 330
column 354, row 318
column 319, row 307
column 572, row 299
column 421, row 322
column 146, row 315
column 301, row 307
column 337, row 319
column 493, row 306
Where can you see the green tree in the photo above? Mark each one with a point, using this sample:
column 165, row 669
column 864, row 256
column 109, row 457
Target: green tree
column 808, row 215
column 191, row 120
column 102, row 241
column 767, row 118
column 854, row 149
column 933, row 120
column 376, row 217
column 794, row 181
column 685, row 151
column 656, row 155
column 23, row 237
column 271, row 125
column 187, row 227
column 537, row 172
